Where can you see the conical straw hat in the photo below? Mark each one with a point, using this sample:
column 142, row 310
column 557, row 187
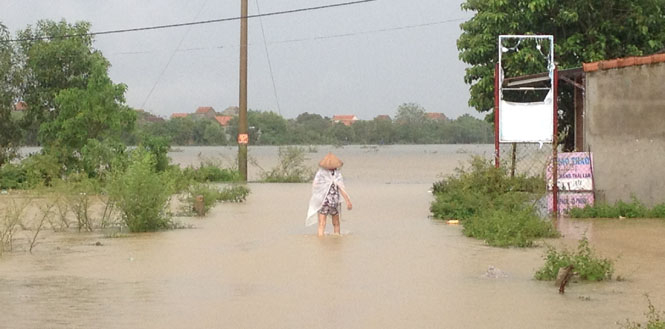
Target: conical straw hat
column 330, row 161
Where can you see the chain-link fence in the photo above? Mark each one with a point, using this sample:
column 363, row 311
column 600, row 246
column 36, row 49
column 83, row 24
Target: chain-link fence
column 530, row 159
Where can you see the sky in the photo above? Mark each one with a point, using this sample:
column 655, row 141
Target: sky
column 364, row 59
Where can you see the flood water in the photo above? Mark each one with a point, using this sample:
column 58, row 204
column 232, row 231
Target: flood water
column 254, row 265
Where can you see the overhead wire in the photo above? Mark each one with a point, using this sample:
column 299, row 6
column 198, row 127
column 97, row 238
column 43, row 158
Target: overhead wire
column 168, row 63
column 210, row 21
column 332, row 36
column 265, row 45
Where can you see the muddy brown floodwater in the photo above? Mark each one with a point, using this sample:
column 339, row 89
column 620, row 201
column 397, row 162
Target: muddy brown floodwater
column 255, row 265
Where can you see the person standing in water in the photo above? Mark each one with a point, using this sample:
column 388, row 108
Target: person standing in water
column 327, row 187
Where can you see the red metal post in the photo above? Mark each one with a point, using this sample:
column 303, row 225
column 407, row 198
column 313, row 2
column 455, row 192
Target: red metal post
column 555, row 146
column 496, row 116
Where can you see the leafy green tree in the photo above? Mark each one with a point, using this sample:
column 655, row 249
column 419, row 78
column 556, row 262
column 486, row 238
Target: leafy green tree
column 180, row 130
column 55, row 62
column 270, row 128
column 9, row 133
column 96, row 111
column 409, row 121
column 214, row 134
column 341, row 134
column 382, row 131
column 584, row 31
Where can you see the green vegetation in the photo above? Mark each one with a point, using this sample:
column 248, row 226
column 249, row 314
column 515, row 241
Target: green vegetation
column 584, row 31
column 268, row 128
column 491, row 205
column 655, row 319
column 291, row 167
column 142, row 194
column 632, row 209
column 505, row 228
column 212, row 195
column 586, row 264
column 211, row 172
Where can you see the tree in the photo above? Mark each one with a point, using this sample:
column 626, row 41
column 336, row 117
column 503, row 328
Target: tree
column 10, row 135
column 54, row 61
column 410, row 118
column 584, row 31
column 96, row 111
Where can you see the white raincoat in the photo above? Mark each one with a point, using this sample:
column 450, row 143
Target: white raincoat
column 320, row 187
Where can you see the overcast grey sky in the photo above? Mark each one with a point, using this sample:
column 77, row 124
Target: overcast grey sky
column 365, row 59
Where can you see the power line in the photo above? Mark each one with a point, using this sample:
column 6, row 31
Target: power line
column 351, row 34
column 219, row 20
column 265, row 45
column 161, row 74
column 332, row 36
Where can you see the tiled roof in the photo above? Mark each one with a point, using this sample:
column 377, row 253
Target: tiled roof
column 223, row 119
column 21, row 106
column 435, row 116
column 345, row 117
column 204, row 109
column 347, row 120
column 382, row 117
column 179, row 115
column 623, row 62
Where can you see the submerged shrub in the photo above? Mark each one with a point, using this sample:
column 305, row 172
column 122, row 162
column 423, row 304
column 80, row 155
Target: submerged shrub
column 291, row 167
column 481, row 187
column 492, row 205
column 586, row 264
column 504, row 228
column 141, row 194
column 212, row 195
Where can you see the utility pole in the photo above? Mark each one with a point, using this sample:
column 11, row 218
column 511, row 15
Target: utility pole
column 243, row 136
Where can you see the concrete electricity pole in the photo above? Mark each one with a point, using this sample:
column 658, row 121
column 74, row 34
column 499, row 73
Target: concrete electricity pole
column 243, row 136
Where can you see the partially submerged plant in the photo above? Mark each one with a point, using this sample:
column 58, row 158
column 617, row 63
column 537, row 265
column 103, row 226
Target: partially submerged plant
column 587, row 265
column 291, row 167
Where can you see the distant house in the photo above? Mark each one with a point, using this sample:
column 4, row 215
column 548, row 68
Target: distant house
column 231, row 111
column 205, row 111
column 347, row 120
column 21, row 106
column 179, row 115
column 223, row 120
column 436, row 116
column 383, row 117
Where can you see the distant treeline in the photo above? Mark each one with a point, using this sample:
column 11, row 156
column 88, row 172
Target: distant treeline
column 410, row 126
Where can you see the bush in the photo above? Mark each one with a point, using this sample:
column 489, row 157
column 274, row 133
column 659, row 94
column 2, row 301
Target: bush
column 42, row 169
column 503, row 228
column 142, row 194
column 492, row 206
column 291, row 167
column 632, row 209
column 467, row 192
column 209, row 172
column 212, row 195
column 12, row 176
column 586, row 264
column 99, row 159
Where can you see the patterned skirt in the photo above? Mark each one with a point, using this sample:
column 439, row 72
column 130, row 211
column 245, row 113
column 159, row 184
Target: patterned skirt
column 331, row 203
